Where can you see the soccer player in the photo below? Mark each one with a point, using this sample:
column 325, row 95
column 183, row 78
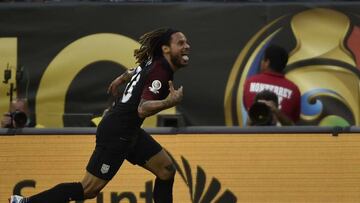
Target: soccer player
column 119, row 135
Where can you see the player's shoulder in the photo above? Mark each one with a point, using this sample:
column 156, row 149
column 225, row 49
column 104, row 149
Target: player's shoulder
column 161, row 68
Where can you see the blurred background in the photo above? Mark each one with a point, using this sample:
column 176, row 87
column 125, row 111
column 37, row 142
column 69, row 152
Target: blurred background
column 60, row 56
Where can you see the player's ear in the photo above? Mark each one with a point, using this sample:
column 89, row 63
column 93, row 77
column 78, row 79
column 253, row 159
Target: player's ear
column 165, row 49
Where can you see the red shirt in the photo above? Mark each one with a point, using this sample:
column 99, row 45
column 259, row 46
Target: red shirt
column 288, row 93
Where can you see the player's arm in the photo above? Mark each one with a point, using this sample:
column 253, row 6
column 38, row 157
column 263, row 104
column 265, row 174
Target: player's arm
column 150, row 107
column 122, row 79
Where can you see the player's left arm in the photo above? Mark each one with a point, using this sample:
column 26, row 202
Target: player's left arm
column 148, row 108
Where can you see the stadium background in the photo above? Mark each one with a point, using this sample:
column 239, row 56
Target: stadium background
column 69, row 52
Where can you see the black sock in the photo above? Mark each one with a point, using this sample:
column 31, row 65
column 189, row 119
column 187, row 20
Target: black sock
column 61, row 193
column 163, row 190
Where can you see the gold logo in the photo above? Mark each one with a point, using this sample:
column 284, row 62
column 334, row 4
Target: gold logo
column 323, row 62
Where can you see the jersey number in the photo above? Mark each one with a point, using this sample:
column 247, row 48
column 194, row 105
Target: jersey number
column 130, row 87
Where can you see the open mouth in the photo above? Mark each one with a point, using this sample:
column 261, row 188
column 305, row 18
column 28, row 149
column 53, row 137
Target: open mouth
column 185, row 57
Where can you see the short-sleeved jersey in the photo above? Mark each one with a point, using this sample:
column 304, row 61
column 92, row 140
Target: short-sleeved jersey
column 149, row 82
column 288, row 93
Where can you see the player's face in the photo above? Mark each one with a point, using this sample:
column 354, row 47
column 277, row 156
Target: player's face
column 179, row 50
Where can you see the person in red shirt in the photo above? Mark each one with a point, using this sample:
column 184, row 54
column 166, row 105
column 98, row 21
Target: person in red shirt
column 272, row 78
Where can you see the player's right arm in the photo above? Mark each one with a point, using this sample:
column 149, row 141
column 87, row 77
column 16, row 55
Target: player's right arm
column 122, row 79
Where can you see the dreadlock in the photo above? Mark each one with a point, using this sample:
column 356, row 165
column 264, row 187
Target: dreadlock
column 150, row 44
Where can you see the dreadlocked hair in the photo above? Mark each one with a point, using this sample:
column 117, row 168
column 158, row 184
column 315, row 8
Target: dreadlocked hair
column 150, row 44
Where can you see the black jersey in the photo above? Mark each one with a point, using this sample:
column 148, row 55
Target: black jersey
column 119, row 135
column 149, row 82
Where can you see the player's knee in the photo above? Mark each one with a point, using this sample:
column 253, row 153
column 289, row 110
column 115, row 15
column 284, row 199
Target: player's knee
column 167, row 172
column 92, row 186
column 90, row 193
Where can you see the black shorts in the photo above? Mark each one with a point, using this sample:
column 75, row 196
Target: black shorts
column 109, row 156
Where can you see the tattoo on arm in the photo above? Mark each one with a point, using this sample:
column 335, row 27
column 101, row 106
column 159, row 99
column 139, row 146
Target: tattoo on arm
column 150, row 107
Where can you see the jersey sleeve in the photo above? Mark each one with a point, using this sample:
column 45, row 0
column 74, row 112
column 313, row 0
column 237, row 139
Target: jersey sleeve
column 156, row 86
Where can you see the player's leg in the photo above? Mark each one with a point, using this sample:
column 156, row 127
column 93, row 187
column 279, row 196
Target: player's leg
column 92, row 185
column 103, row 165
column 149, row 154
column 89, row 187
column 111, row 149
column 164, row 169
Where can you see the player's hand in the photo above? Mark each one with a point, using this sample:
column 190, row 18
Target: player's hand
column 175, row 96
column 113, row 87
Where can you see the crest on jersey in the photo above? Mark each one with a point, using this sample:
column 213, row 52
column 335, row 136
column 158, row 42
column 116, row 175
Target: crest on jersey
column 155, row 86
column 105, row 168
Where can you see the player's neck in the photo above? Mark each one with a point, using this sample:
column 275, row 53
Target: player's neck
column 172, row 66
